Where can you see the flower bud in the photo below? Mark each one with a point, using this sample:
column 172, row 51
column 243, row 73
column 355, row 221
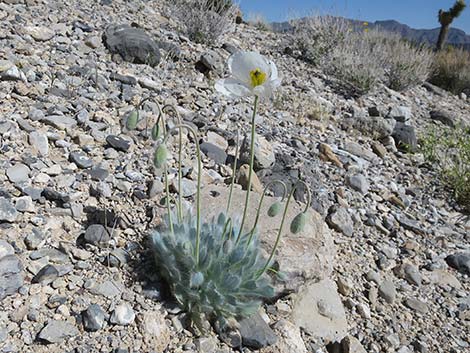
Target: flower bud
column 298, row 223
column 132, row 120
column 161, row 155
column 275, row 209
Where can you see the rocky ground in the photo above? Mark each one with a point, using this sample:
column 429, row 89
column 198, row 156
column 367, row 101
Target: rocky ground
column 383, row 266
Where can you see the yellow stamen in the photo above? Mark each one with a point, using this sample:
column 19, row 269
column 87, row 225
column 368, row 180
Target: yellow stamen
column 258, row 77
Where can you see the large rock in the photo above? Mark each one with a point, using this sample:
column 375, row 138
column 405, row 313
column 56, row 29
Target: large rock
column 264, row 153
column 154, row 329
column 11, row 275
column 459, row 261
column 444, row 117
column 405, row 137
column 340, row 220
column 133, row 44
column 375, row 126
column 318, row 310
column 256, row 333
column 56, row 331
column 401, row 114
column 40, row 33
column 303, row 256
column 289, row 339
column 8, row 211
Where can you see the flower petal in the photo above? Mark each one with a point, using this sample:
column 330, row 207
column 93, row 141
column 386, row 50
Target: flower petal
column 243, row 62
column 264, row 91
column 274, row 74
column 233, row 88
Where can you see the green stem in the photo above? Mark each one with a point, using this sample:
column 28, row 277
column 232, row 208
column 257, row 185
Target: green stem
column 228, row 225
column 252, row 232
column 198, row 193
column 278, row 238
column 180, row 152
column 234, row 172
column 252, row 159
column 167, row 190
column 146, row 119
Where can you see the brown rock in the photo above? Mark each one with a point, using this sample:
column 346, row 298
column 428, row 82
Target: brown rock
column 327, row 154
column 379, row 149
column 256, row 185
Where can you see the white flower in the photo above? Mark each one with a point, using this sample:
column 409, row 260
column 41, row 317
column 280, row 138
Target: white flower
column 251, row 75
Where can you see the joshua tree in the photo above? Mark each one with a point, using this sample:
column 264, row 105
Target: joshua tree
column 446, row 18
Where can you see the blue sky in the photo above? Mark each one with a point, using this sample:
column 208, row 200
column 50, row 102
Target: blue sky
column 415, row 13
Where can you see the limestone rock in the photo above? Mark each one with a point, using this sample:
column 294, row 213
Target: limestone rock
column 318, row 310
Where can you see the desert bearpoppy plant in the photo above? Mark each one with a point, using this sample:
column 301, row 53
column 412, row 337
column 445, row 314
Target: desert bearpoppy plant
column 214, row 267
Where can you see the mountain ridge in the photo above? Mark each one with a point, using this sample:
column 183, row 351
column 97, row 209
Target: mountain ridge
column 457, row 37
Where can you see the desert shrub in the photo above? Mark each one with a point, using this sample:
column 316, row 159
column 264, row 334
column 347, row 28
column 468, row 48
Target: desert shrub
column 451, row 70
column 204, row 21
column 408, row 64
column 449, row 150
column 259, row 21
column 358, row 62
column 316, row 36
column 360, row 57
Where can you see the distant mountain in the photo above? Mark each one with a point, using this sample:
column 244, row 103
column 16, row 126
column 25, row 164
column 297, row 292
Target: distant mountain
column 456, row 37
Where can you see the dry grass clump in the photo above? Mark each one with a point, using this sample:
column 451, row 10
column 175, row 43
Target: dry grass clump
column 361, row 58
column 451, row 70
column 408, row 65
column 204, row 21
column 258, row 21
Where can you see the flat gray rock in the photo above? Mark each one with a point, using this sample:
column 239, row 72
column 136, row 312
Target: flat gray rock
column 256, row 333
column 81, row 159
column 318, row 310
column 11, row 275
column 133, row 44
column 8, row 211
column 56, row 331
column 18, row 173
column 60, row 122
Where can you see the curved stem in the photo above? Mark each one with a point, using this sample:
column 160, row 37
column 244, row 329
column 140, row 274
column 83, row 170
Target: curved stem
column 261, row 203
column 278, row 238
column 234, row 172
column 198, row 193
column 250, row 173
column 180, row 151
column 167, row 190
column 309, row 194
column 228, row 225
column 146, row 119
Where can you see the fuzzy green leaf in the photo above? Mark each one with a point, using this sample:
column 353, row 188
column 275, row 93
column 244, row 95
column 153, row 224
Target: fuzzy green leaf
column 197, row 279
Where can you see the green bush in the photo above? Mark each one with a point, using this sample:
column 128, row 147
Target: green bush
column 228, row 280
column 451, row 70
column 449, row 150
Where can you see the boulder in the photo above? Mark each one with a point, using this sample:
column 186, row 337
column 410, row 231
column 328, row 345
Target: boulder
column 133, row 44
column 318, row 310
